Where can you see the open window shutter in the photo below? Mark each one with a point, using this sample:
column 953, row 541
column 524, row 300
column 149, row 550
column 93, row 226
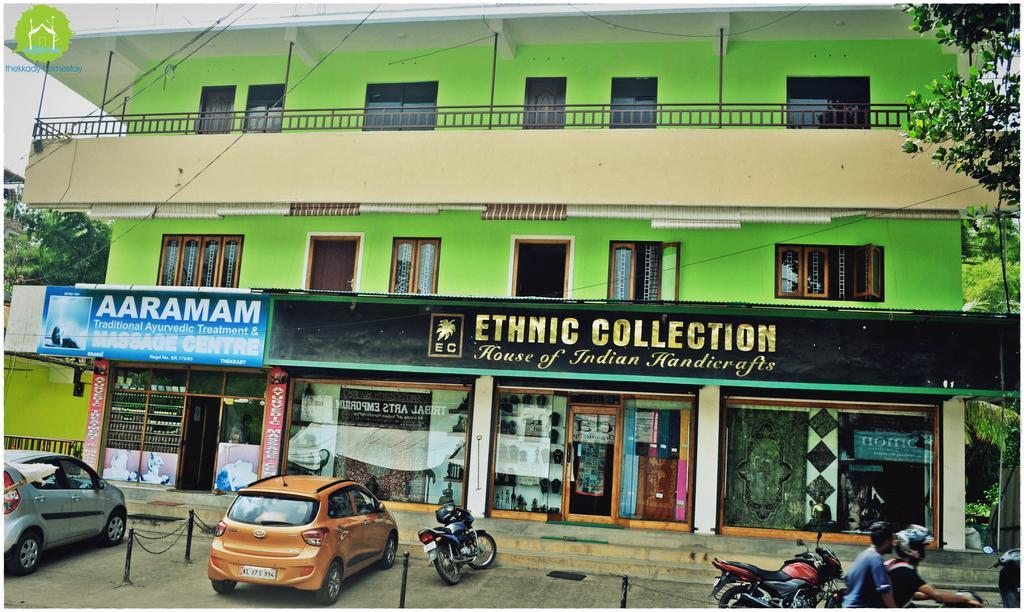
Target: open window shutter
column 670, row 271
column 867, row 272
column 788, row 271
column 815, row 277
column 620, row 285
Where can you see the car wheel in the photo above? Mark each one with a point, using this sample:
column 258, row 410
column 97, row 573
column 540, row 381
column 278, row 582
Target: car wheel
column 330, row 589
column 113, row 531
column 387, row 560
column 24, row 558
column 223, row 587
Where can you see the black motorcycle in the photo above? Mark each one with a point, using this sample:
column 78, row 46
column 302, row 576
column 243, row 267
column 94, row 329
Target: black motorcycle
column 456, row 544
column 1009, row 578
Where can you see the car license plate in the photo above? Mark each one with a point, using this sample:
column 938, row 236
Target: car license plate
column 262, row 573
column 429, row 546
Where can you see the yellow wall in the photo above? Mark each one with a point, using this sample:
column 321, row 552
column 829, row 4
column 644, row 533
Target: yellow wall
column 745, row 167
column 38, row 400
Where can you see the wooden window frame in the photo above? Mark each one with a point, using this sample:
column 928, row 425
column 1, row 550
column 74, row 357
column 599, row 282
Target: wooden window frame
column 568, row 241
column 876, row 272
column 414, row 272
column 312, row 238
column 828, row 537
column 869, row 252
column 616, row 244
column 203, row 240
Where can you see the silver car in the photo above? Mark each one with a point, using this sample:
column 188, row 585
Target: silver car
column 72, row 504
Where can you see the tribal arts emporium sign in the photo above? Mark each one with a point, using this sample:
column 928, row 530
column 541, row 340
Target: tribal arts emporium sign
column 162, row 326
column 648, row 343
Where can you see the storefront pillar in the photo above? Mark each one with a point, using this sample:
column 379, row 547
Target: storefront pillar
column 954, row 477
column 705, row 511
column 480, row 445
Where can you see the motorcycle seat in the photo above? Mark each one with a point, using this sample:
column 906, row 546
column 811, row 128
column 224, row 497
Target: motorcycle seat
column 763, row 574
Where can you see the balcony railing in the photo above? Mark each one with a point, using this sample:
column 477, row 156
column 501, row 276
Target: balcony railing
column 48, row 445
column 642, row 115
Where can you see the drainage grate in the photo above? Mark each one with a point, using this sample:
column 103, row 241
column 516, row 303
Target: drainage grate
column 567, row 575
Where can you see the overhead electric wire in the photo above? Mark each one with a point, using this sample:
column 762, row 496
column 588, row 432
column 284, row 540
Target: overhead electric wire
column 227, row 148
column 679, row 35
column 103, row 103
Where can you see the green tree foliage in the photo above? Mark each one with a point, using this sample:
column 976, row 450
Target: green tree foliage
column 52, row 248
column 971, row 124
column 983, row 286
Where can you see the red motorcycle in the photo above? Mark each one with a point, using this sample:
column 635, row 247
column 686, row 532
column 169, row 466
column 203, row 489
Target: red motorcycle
column 801, row 582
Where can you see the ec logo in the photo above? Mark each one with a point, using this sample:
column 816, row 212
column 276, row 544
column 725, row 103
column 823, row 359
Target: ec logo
column 445, row 335
column 42, row 33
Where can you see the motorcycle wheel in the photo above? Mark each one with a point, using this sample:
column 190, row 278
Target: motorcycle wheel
column 731, row 597
column 835, row 600
column 488, row 551
column 446, row 567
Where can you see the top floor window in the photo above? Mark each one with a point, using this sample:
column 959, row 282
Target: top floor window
column 401, row 106
column 200, row 261
column 828, row 102
column 264, row 108
column 634, row 101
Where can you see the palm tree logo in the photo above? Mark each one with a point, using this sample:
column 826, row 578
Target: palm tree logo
column 445, row 329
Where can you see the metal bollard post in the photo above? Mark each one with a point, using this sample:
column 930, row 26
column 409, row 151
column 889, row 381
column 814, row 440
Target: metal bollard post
column 128, row 557
column 625, row 589
column 188, row 539
column 405, row 577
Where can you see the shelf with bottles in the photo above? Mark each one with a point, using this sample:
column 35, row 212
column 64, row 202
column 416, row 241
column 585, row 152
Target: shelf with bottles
column 132, row 379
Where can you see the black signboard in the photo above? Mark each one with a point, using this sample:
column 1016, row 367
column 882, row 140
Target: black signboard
column 763, row 347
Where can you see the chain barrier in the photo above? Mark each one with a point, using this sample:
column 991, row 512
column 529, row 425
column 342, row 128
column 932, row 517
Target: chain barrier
column 161, row 537
column 203, row 525
column 702, row 602
column 169, row 547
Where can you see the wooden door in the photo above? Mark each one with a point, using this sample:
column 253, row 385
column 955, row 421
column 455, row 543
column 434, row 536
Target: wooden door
column 332, row 264
column 545, row 103
column 591, row 489
column 216, row 110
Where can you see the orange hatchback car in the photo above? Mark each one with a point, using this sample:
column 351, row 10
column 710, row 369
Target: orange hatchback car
column 305, row 532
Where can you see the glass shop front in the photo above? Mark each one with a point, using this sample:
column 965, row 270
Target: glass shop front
column 194, row 429
column 794, row 465
column 407, row 442
column 597, row 457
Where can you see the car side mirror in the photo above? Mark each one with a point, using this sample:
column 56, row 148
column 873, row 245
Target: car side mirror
column 101, row 484
column 380, row 506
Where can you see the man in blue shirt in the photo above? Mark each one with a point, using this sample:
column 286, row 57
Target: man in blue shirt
column 867, row 581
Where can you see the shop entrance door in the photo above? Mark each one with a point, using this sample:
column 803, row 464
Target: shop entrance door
column 199, row 444
column 593, row 464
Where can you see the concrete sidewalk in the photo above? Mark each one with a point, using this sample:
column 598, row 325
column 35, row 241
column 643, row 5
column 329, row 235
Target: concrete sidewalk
column 84, row 576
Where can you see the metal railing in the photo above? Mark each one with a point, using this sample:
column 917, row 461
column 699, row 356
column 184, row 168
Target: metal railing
column 642, row 115
column 49, row 445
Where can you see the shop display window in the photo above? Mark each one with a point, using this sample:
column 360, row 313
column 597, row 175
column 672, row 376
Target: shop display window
column 206, row 382
column 404, row 443
column 655, row 472
column 529, row 455
column 843, row 468
column 246, row 385
column 238, row 449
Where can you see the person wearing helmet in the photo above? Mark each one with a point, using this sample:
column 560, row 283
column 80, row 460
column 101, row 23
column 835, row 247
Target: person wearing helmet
column 867, row 582
column 909, row 546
